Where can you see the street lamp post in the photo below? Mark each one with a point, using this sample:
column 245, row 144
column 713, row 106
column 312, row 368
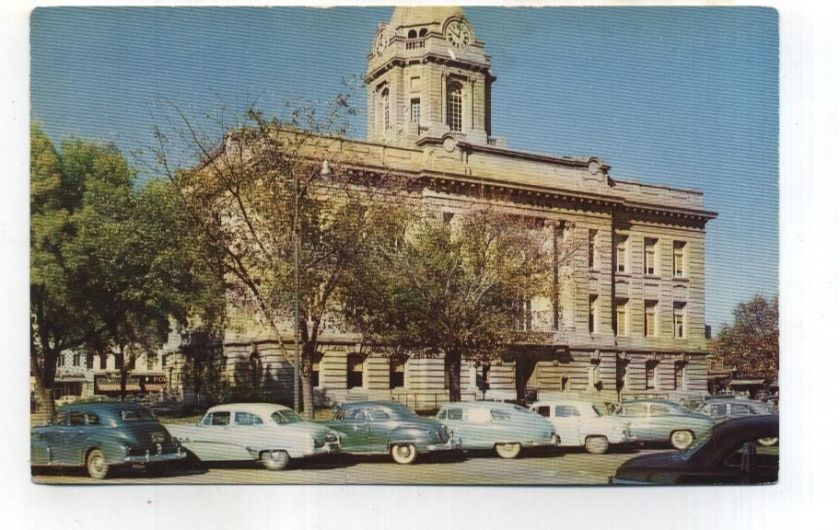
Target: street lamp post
column 324, row 172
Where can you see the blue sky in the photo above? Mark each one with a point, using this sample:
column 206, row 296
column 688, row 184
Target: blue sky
column 686, row 97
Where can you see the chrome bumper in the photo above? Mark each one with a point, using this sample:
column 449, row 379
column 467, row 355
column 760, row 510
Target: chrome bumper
column 453, row 443
column 157, row 457
column 326, row 449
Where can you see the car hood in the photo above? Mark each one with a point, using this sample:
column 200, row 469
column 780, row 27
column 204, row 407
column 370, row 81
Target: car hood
column 643, row 468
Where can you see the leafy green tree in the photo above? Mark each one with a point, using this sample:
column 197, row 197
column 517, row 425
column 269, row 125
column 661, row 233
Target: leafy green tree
column 453, row 287
column 751, row 342
column 111, row 263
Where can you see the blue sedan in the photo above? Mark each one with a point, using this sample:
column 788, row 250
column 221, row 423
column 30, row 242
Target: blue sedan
column 100, row 436
column 504, row 427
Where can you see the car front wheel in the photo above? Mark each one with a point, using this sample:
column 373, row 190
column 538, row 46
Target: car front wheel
column 97, row 466
column 597, row 445
column 681, row 439
column 508, row 450
column 275, row 460
column 404, row 453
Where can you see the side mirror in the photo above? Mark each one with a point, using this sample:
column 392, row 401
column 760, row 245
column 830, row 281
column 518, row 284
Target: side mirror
column 748, row 462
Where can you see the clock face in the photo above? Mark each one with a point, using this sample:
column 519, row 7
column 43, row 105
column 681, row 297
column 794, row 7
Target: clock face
column 458, row 34
column 380, row 44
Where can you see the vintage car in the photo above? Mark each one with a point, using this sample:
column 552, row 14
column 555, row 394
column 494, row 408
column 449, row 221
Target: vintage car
column 101, row 436
column 385, row 427
column 505, row 427
column 722, row 409
column 664, row 421
column 266, row 432
column 581, row 424
column 728, row 454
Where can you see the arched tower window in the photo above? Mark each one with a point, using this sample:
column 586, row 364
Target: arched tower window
column 423, row 32
column 454, row 106
column 412, row 34
column 386, row 109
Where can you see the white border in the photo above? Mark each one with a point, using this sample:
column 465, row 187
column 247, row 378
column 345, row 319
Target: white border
column 809, row 275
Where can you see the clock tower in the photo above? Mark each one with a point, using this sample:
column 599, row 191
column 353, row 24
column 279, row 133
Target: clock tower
column 428, row 79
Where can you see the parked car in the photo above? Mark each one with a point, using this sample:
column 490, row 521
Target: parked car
column 66, row 400
column 664, row 421
column 722, row 409
column 505, row 427
column 728, row 454
column 266, row 432
column 385, row 427
column 581, row 424
column 101, row 436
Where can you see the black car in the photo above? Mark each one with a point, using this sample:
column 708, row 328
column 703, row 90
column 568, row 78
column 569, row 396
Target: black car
column 737, row 451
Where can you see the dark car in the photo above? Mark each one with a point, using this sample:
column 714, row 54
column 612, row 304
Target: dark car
column 101, row 436
column 735, row 452
column 385, row 427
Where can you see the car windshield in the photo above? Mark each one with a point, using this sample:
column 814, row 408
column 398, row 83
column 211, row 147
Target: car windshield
column 282, row 417
column 137, row 415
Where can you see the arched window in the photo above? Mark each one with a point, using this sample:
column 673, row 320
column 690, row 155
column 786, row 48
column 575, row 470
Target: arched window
column 453, row 106
column 412, row 34
column 386, row 109
column 423, row 32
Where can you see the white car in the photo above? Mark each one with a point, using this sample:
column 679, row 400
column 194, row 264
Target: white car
column 266, row 432
column 581, row 424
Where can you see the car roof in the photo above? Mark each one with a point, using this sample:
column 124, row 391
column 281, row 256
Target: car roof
column 552, row 402
column 258, row 408
column 482, row 405
column 768, row 423
column 660, row 401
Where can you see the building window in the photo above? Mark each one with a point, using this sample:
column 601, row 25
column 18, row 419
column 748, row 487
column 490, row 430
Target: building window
column 103, row 361
column 150, row 363
column 355, row 371
column 592, row 235
column 522, row 321
column 118, row 361
column 77, row 359
column 595, row 374
column 386, row 109
column 412, row 34
column 593, row 314
column 621, row 254
column 315, row 373
column 423, row 32
column 453, row 106
column 679, row 320
column 621, row 318
column 415, row 110
column 59, row 361
column 89, row 360
column 650, row 256
column 651, row 368
column 396, row 376
column 650, row 318
column 679, row 375
column 679, row 259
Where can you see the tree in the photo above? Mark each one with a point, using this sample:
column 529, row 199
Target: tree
column 268, row 185
column 454, row 287
column 108, row 266
column 751, row 342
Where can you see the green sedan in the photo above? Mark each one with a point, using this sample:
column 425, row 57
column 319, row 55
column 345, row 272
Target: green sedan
column 385, row 427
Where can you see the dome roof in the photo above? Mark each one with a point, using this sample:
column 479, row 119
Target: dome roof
column 415, row 16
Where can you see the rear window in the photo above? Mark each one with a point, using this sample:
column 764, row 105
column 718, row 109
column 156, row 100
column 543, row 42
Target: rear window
column 137, row 415
column 565, row 411
column 217, row 418
column 544, row 410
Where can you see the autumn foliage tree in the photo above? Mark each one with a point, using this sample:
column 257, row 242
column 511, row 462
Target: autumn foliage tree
column 453, row 286
column 267, row 186
column 751, row 342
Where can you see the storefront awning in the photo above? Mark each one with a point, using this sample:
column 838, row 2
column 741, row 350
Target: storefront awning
column 746, row 382
column 115, row 387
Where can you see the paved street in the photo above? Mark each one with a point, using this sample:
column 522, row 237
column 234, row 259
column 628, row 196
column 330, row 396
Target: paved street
column 565, row 466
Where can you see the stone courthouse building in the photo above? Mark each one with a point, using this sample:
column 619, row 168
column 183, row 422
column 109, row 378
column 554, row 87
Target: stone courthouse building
column 627, row 313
